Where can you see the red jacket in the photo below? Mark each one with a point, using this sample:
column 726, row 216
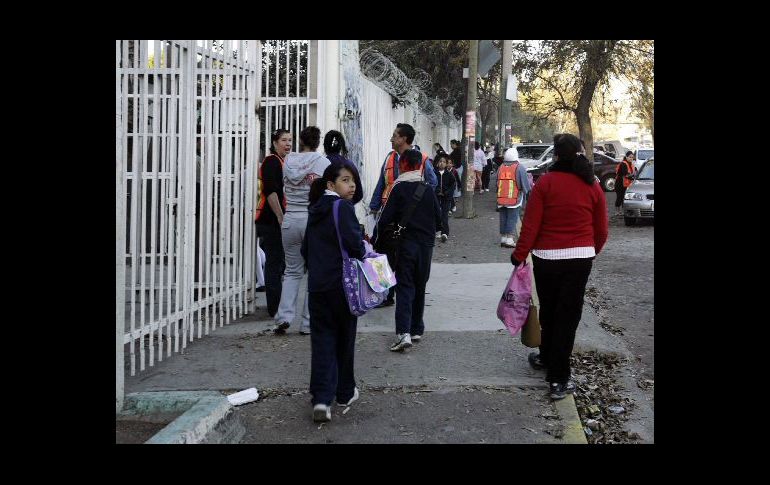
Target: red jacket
column 563, row 212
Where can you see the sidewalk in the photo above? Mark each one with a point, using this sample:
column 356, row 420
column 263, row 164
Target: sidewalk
column 468, row 381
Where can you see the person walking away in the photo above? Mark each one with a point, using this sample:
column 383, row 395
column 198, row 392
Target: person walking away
column 444, row 193
column 623, row 179
column 457, row 161
column 333, row 327
column 565, row 227
column 269, row 216
column 512, row 187
column 415, row 247
column 400, row 141
column 298, row 174
column 479, row 160
column 487, row 171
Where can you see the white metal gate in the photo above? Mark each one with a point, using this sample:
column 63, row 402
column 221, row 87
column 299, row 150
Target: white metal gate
column 286, row 100
column 187, row 141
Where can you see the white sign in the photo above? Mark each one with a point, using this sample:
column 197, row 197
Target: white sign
column 512, row 90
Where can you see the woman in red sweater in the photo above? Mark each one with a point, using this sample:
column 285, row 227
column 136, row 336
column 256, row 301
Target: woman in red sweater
column 565, row 227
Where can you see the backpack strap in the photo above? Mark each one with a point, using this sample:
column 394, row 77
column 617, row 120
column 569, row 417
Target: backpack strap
column 418, row 193
column 336, row 212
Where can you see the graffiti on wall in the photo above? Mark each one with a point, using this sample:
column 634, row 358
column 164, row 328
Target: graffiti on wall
column 351, row 112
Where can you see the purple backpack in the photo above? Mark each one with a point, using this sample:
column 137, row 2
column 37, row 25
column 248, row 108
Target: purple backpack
column 366, row 283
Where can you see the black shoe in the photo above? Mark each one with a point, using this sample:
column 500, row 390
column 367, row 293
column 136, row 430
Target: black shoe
column 560, row 391
column 386, row 303
column 535, row 362
column 280, row 329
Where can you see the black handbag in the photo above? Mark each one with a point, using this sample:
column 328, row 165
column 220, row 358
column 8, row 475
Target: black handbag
column 389, row 236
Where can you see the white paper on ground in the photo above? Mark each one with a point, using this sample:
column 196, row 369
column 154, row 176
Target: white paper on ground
column 243, row 397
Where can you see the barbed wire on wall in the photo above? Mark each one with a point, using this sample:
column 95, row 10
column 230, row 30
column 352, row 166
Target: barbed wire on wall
column 381, row 70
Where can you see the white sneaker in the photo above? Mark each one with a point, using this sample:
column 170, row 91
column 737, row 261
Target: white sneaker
column 502, row 239
column 438, row 234
column 322, row 413
column 510, row 242
column 416, row 338
column 352, row 399
column 404, row 342
column 444, row 237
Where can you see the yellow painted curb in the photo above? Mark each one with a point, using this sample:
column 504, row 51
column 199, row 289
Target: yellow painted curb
column 573, row 428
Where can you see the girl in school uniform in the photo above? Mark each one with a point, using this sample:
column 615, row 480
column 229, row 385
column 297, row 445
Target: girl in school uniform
column 332, row 326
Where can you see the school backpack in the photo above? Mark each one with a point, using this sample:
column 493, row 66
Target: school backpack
column 366, row 282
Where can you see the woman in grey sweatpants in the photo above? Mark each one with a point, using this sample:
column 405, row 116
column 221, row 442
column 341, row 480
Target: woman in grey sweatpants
column 299, row 171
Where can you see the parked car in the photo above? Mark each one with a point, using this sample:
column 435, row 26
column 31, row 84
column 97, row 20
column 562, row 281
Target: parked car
column 642, row 155
column 613, row 148
column 604, row 169
column 534, row 154
column 639, row 202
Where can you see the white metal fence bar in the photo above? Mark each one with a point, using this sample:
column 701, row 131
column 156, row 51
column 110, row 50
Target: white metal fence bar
column 120, row 260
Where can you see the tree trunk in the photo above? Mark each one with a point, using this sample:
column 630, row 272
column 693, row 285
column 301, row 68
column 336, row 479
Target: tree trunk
column 583, row 115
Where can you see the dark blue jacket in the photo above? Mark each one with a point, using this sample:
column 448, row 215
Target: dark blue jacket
column 320, row 247
column 446, row 184
column 425, row 218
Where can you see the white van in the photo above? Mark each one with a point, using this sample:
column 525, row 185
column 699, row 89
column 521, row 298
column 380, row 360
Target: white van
column 642, row 155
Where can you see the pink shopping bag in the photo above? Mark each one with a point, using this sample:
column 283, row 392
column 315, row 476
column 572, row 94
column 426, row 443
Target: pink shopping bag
column 514, row 303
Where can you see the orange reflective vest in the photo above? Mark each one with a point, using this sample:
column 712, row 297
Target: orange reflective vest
column 390, row 173
column 507, row 188
column 262, row 198
column 627, row 181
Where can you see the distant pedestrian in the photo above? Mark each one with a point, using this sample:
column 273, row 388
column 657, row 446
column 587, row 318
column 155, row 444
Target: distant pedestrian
column 415, row 247
column 565, row 227
column 623, row 179
column 458, row 181
column 298, row 174
column 457, row 157
column 269, row 216
column 479, row 160
column 487, row 170
column 333, row 327
column 437, row 149
column 512, row 187
column 444, row 193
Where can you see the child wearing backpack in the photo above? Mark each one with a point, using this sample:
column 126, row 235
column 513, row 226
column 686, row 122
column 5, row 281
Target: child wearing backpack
column 332, row 326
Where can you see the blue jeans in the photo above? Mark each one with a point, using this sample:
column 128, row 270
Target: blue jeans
column 508, row 218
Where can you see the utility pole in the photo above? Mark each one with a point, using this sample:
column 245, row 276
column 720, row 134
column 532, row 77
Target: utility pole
column 505, row 104
column 470, row 128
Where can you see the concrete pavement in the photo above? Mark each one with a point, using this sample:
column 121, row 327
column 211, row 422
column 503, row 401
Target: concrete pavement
column 466, row 377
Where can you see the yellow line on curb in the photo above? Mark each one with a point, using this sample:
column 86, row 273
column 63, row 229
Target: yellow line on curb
column 573, row 428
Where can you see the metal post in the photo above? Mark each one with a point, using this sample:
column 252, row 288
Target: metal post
column 473, row 64
column 505, row 105
column 120, row 235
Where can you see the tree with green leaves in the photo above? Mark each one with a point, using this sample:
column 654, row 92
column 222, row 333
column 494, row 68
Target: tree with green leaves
column 565, row 75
